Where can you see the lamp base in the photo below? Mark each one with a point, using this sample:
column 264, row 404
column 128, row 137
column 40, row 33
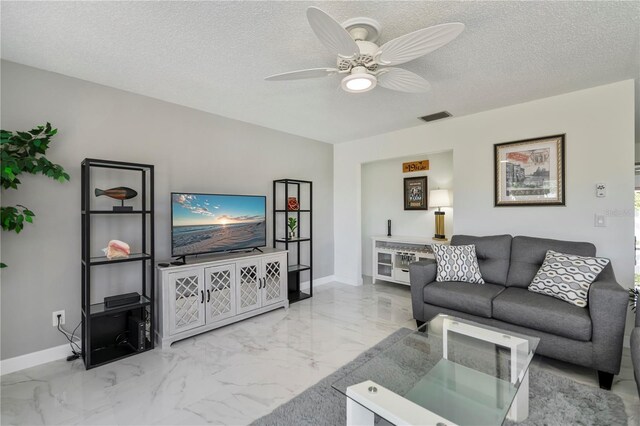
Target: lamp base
column 439, row 235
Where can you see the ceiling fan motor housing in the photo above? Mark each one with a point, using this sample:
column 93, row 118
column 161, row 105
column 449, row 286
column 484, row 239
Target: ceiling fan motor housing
column 364, row 59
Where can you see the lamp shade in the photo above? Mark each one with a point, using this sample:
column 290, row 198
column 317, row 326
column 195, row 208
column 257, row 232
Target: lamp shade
column 439, row 198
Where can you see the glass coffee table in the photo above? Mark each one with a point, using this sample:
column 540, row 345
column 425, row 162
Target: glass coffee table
column 449, row 372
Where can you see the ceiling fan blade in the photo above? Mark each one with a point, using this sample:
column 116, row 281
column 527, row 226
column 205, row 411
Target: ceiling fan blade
column 300, row 74
column 413, row 45
column 331, row 33
column 402, row 80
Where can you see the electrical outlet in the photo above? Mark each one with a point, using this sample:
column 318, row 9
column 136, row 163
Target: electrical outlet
column 55, row 318
column 601, row 190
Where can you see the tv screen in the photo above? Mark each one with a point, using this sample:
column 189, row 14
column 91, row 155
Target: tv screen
column 205, row 223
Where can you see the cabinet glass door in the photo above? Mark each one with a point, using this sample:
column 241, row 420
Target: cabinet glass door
column 384, row 270
column 247, row 291
column 221, row 297
column 272, row 287
column 186, row 300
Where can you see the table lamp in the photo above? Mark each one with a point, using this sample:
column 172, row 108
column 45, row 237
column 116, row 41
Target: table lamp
column 439, row 198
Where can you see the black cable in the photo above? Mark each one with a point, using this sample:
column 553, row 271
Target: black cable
column 122, row 336
column 73, row 335
column 70, row 339
column 76, row 354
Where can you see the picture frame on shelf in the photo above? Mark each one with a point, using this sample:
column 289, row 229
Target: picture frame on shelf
column 415, row 193
column 530, row 172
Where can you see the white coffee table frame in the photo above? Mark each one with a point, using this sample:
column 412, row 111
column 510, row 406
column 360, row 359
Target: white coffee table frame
column 367, row 398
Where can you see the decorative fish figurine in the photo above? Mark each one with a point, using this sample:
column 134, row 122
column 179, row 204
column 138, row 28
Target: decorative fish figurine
column 119, row 193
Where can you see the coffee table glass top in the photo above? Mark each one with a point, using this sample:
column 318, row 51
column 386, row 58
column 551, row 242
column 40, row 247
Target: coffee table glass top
column 464, row 371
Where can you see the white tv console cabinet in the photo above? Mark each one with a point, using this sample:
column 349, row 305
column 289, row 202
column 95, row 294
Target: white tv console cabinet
column 206, row 294
column 392, row 256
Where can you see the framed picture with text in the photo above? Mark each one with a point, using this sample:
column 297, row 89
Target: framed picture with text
column 415, row 193
column 530, row 172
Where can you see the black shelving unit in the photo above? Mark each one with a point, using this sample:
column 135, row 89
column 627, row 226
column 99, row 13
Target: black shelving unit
column 292, row 187
column 105, row 330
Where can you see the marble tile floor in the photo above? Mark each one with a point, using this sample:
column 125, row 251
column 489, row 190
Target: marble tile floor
column 238, row 373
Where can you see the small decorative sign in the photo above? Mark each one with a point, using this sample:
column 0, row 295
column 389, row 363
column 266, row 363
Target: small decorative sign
column 415, row 166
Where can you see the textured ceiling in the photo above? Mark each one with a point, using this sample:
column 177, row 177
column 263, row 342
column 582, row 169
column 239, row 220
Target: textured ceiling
column 214, row 56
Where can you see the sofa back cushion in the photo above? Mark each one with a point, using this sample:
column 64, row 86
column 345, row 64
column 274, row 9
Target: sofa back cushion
column 528, row 253
column 493, row 253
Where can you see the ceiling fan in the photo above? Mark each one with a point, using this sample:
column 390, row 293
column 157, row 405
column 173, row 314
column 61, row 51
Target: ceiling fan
column 364, row 62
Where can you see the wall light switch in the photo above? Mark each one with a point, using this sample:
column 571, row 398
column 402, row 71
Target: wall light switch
column 600, row 221
column 601, row 190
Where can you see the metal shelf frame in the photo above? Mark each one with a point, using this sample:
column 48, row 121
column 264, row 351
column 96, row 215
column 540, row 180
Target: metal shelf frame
column 94, row 316
column 292, row 187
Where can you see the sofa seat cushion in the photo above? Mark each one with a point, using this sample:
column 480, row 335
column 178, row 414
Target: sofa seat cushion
column 545, row 313
column 471, row 298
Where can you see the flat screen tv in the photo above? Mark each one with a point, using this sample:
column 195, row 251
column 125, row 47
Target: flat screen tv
column 207, row 223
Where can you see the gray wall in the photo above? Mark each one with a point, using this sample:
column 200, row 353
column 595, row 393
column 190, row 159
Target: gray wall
column 191, row 150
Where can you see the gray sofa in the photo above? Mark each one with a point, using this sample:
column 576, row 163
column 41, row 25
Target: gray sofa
column 635, row 348
column 590, row 336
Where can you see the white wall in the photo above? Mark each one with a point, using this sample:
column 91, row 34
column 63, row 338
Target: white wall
column 599, row 127
column 383, row 198
column 191, row 150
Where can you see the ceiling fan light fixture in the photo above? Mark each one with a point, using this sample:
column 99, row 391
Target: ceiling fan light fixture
column 359, row 82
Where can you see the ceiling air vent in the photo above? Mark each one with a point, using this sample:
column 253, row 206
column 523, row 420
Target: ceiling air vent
column 436, row 116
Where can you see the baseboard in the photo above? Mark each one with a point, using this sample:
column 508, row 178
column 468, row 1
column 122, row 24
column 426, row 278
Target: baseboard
column 21, row 362
column 318, row 282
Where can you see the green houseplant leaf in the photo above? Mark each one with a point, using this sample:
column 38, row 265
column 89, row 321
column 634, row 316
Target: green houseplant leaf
column 24, row 152
column 634, row 292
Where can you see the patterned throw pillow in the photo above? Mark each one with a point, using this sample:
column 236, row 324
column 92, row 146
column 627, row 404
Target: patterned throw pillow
column 567, row 277
column 457, row 263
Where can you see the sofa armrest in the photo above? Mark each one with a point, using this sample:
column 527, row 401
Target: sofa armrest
column 608, row 310
column 420, row 274
column 635, row 355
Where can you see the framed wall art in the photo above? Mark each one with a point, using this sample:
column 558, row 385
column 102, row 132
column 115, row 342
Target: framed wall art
column 530, row 172
column 415, row 193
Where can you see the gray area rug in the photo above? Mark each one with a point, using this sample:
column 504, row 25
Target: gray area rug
column 554, row 400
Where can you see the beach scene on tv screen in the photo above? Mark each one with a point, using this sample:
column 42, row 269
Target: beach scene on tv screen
column 205, row 223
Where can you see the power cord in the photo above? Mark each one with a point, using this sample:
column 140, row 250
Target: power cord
column 121, row 339
column 77, row 351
